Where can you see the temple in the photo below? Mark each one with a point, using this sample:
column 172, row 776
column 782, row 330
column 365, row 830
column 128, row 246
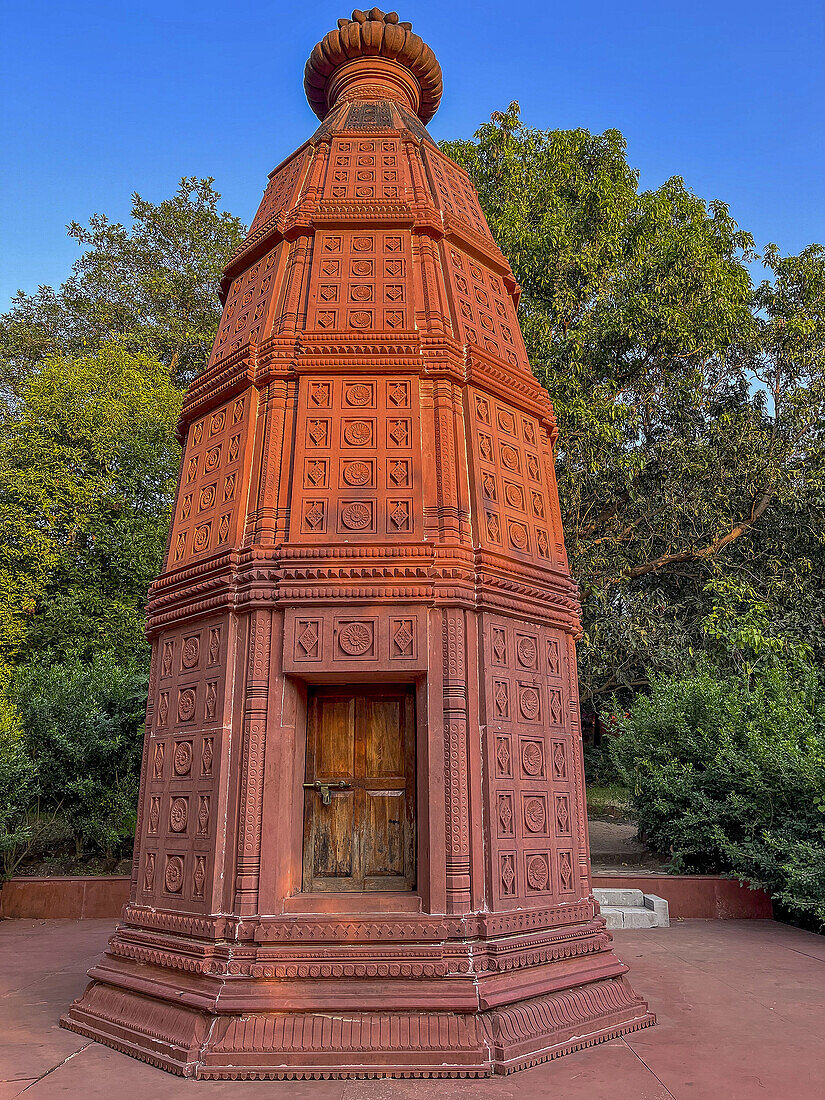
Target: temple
column 362, row 843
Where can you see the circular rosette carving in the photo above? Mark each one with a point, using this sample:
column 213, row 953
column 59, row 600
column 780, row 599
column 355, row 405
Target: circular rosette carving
column 361, row 294
column 509, row 456
column 518, row 536
column 178, row 815
column 359, row 395
column 174, row 874
column 529, row 703
column 357, row 473
column 207, row 498
column 535, row 816
column 360, row 319
column 191, row 652
column 183, row 758
column 538, row 873
column 358, row 433
column 186, row 705
column 355, row 638
column 527, row 652
column 357, row 516
column 532, row 758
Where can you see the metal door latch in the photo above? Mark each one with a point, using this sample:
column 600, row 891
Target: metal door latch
column 325, row 788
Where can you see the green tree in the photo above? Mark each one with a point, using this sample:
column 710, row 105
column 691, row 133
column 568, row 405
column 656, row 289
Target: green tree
column 88, row 466
column 83, row 722
column 151, row 286
column 689, row 403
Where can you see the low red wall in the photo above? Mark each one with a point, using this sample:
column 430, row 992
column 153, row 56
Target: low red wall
column 76, row 898
column 706, row 896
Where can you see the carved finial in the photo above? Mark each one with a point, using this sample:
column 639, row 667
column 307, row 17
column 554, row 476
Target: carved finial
column 378, row 37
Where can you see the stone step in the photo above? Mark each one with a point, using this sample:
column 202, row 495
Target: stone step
column 632, row 909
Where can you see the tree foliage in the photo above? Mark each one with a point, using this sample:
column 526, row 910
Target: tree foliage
column 728, row 774
column 88, row 466
column 690, row 403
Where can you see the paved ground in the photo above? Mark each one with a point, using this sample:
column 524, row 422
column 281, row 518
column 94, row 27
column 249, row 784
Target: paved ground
column 741, row 1008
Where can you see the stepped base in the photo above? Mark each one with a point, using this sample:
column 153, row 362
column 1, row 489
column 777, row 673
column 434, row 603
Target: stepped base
column 272, row 1045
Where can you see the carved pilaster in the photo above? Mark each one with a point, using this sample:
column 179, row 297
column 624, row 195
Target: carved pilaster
column 252, row 771
column 455, row 761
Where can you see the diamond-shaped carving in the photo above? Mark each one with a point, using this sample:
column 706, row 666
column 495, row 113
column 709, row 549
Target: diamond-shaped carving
column 316, row 472
column 399, row 515
column 399, row 432
column 318, row 431
column 503, row 756
column 398, row 473
column 398, row 394
column 403, row 639
column 308, row 640
column 501, row 699
column 314, row 516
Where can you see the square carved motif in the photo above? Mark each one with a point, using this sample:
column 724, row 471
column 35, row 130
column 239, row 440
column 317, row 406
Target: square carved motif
column 504, row 757
column 402, row 639
column 498, row 640
column 316, row 473
column 307, row 640
column 399, row 515
column 501, row 700
column 356, row 638
column 537, row 872
column 535, row 822
column 358, row 433
column 318, row 430
column 360, row 394
column 399, row 430
column 357, row 516
column 505, row 818
column 358, row 473
column 531, row 758
column 529, row 703
column 398, row 395
column 507, row 874
column 398, row 472
column 527, row 652
column 555, row 710
column 314, row 517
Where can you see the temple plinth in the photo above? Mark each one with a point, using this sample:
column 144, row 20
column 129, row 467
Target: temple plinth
column 362, row 842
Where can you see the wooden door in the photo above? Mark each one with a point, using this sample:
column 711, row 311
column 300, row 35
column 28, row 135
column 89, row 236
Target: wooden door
column 359, row 803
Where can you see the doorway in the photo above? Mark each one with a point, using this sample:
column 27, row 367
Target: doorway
column 359, row 793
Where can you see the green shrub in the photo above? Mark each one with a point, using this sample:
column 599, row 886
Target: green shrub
column 17, row 790
column 83, row 725
column 729, row 776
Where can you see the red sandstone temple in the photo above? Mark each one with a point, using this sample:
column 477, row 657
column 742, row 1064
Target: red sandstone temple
column 362, row 845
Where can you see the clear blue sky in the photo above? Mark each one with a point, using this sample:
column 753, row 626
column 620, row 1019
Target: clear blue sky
column 102, row 99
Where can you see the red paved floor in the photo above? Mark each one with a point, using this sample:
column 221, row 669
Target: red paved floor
column 741, row 1008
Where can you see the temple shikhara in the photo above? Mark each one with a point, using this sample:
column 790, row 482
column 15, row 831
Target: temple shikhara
column 362, row 843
